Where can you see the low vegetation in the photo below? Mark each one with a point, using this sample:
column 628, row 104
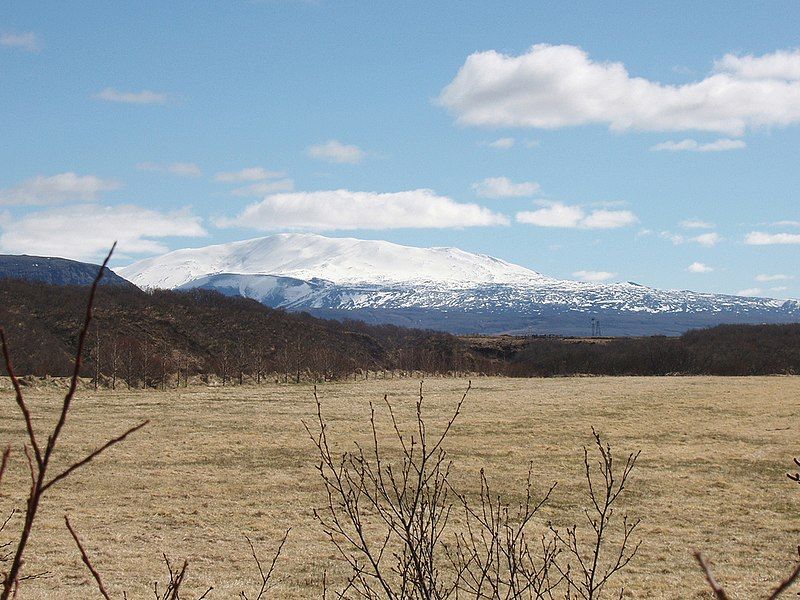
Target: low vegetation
column 167, row 338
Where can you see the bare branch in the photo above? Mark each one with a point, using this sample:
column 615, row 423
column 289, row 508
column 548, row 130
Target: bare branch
column 86, row 560
column 93, row 455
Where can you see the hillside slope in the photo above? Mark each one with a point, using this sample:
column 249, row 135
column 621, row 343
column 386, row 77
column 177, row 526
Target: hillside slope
column 149, row 335
column 57, row 271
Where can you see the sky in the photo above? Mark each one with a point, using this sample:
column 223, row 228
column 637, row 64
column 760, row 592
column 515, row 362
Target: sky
column 650, row 142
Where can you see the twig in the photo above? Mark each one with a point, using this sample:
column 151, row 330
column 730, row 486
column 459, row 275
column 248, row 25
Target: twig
column 86, row 560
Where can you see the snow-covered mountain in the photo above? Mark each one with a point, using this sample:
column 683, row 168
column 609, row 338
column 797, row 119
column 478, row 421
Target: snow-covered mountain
column 440, row 288
column 338, row 260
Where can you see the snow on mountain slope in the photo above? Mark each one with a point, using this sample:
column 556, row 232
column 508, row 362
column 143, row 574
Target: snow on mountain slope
column 338, row 260
column 441, row 288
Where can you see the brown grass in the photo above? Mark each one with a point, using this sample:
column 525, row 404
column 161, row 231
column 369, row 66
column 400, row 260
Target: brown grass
column 215, row 465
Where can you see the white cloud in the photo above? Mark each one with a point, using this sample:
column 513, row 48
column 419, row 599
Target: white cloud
column 704, row 239
column 143, row 97
column 761, row 238
column 594, row 275
column 86, row 231
column 698, row 267
column 754, row 291
column 783, row 64
column 344, row 209
column 696, row 224
column 54, row 189
column 551, row 87
column 786, row 224
column 609, row 219
column 248, row 174
column 503, row 143
column 336, row 152
column 694, row 146
column 776, row 277
column 557, row 214
column 503, row 187
column 778, row 288
column 181, row 169
column 262, row 188
column 707, row 239
column 25, row 40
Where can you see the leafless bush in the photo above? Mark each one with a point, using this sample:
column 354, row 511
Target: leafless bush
column 387, row 521
column 595, row 557
column 495, row 557
column 390, row 523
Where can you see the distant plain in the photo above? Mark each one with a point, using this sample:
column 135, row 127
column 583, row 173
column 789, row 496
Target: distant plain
column 216, row 464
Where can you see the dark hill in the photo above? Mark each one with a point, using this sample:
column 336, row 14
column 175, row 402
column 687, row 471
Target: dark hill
column 56, row 271
column 152, row 336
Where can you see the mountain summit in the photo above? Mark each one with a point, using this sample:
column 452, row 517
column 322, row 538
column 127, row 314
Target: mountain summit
column 338, row 260
column 439, row 288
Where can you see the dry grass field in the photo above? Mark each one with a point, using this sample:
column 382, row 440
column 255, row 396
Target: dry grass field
column 217, row 464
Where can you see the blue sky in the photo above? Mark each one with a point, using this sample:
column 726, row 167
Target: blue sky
column 658, row 145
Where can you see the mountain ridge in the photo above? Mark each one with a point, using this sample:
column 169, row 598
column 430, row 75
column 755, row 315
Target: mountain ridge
column 56, row 271
column 439, row 288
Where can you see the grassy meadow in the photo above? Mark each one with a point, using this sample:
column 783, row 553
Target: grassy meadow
column 216, row 464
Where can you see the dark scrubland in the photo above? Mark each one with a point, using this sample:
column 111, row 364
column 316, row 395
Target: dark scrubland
column 160, row 338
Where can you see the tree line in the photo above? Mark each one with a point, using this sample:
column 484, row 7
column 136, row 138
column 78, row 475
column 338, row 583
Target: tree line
column 166, row 338
column 720, row 350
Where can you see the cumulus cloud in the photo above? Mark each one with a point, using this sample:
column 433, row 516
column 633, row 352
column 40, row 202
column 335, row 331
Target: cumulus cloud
column 24, row 40
column 594, row 275
column 550, row 87
column 754, row 291
column 783, row 64
column 86, row 231
column 248, row 174
column 503, row 143
column 696, row 224
column 776, row 277
column 761, row 238
column 262, row 188
column 557, row 214
column 143, row 97
column 54, row 189
column 704, row 239
column 181, row 169
column 344, row 209
column 503, row 187
column 690, row 145
column 698, row 267
column 707, row 239
column 335, row 151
